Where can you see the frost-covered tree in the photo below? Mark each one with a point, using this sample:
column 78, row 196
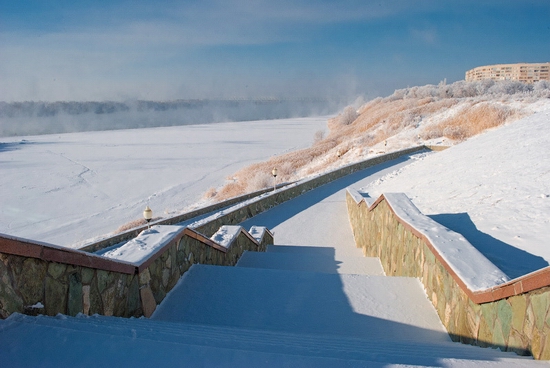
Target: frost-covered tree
column 348, row 116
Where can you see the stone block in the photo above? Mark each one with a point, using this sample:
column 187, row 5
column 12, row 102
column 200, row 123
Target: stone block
column 96, row 304
column 545, row 348
column 484, row 337
column 10, row 301
column 108, row 299
column 518, row 343
column 87, row 275
column 133, row 297
column 498, row 339
column 504, row 312
column 539, row 304
column 536, row 344
column 104, row 279
column 147, row 301
column 55, row 298
column 56, row 270
column 144, row 277
column 86, row 299
column 489, row 312
column 75, row 302
column 519, row 307
column 31, row 281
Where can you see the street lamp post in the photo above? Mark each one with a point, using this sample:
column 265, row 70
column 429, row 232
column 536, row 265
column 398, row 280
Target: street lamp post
column 274, row 173
column 148, row 215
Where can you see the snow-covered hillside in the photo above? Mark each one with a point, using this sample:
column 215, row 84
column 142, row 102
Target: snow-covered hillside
column 494, row 189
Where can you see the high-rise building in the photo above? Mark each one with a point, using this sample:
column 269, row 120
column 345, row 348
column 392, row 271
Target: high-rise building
column 523, row 72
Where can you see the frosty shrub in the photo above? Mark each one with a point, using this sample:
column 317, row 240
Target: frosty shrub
column 286, row 170
column 260, row 180
column 542, row 89
column 381, row 118
column 210, row 193
column 348, row 116
column 509, row 88
column 319, row 136
column 463, row 89
column 230, row 190
column 133, row 224
column 471, row 121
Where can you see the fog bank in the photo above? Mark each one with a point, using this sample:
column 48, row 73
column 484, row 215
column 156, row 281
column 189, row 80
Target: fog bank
column 36, row 118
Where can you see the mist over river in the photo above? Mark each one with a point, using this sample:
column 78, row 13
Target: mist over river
column 37, row 118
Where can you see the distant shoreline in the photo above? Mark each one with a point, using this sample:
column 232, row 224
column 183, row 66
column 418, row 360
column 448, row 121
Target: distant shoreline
column 39, row 118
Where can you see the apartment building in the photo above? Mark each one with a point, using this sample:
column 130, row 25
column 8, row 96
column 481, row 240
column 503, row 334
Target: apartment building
column 523, row 72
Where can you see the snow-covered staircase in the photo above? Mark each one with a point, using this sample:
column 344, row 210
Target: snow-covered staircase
column 295, row 305
column 268, row 311
column 313, row 259
column 107, row 341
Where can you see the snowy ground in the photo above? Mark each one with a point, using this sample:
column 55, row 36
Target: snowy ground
column 67, row 188
column 494, row 189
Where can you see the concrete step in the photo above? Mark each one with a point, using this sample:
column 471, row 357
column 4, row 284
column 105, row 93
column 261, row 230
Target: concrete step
column 82, row 340
column 359, row 306
column 313, row 260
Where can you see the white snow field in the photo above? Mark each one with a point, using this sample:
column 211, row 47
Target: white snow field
column 66, row 189
column 312, row 300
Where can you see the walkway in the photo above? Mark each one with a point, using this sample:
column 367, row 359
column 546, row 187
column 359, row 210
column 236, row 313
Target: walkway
column 311, row 300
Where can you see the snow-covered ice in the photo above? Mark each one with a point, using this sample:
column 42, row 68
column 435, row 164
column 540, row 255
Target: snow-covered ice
column 69, row 188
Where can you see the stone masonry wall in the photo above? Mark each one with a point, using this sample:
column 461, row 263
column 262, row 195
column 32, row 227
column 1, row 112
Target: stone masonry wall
column 518, row 323
column 42, row 279
column 36, row 286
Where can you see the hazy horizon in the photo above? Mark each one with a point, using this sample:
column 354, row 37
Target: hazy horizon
column 167, row 50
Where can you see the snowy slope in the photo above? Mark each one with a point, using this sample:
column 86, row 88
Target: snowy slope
column 494, row 189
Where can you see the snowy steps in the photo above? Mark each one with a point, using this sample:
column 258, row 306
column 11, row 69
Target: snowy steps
column 193, row 343
column 276, row 308
column 311, row 259
column 362, row 306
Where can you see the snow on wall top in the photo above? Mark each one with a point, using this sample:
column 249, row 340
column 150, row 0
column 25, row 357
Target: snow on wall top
column 257, row 232
column 225, row 235
column 145, row 244
column 473, row 268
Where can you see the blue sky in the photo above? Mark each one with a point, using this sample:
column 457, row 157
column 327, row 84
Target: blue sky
column 167, row 49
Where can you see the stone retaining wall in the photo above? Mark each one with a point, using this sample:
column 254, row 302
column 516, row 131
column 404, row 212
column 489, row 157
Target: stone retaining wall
column 513, row 316
column 39, row 278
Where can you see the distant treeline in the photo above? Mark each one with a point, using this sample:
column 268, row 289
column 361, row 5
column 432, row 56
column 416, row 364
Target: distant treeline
column 41, row 109
column 38, row 117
